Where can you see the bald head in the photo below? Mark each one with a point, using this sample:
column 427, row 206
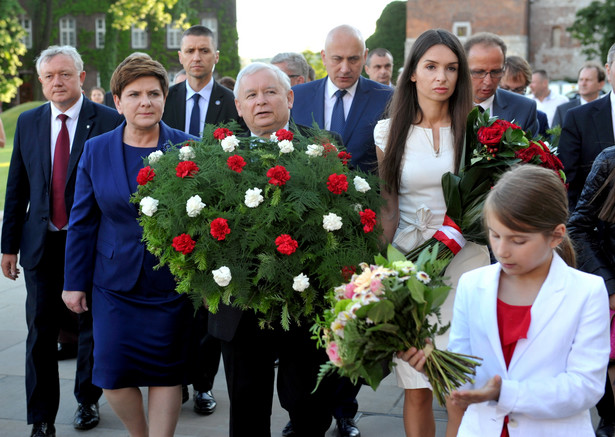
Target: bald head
column 344, row 55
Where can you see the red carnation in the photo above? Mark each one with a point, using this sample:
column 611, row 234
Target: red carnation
column 337, row 183
column 219, row 229
column 278, row 175
column 492, row 135
column 329, row 148
column 236, row 163
column 530, row 152
column 286, row 244
column 348, row 271
column 368, row 220
column 186, row 168
column 145, row 175
column 183, row 243
column 221, row 133
column 283, row 134
column 345, row 157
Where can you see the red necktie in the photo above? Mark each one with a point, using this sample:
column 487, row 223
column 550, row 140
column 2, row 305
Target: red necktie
column 59, row 217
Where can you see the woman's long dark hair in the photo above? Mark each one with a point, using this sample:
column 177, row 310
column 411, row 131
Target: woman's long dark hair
column 404, row 109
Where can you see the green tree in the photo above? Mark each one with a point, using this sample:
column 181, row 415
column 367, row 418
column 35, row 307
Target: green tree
column 593, row 27
column 11, row 48
column 315, row 62
column 391, row 33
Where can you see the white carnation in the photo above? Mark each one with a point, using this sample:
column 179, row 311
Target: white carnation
column 194, row 205
column 222, row 276
column 286, row 146
column 331, row 222
column 186, row 153
column 315, row 150
column 274, row 137
column 229, row 143
column 253, row 197
column 361, row 184
column 155, row 156
column 149, row 206
column 301, row 282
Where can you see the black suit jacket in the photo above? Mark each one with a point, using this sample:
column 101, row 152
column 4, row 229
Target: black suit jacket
column 221, row 107
column 561, row 110
column 223, row 324
column 587, row 130
column 27, row 204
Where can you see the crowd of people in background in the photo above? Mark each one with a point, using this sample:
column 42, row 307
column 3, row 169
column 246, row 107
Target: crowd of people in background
column 68, row 218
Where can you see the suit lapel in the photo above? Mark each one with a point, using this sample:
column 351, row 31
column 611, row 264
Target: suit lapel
column 44, row 138
column 179, row 106
column 319, row 104
column 489, row 293
column 118, row 164
column 361, row 97
column 603, row 122
column 215, row 105
column 545, row 307
column 85, row 124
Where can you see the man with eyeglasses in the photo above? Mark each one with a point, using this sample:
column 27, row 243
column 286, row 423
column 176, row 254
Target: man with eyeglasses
column 294, row 65
column 486, row 55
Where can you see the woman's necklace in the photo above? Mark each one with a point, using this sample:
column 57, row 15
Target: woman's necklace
column 436, row 152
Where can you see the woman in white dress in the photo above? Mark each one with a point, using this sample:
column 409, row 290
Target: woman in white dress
column 422, row 140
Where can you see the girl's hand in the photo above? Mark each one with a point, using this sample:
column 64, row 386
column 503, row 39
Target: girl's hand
column 415, row 357
column 490, row 392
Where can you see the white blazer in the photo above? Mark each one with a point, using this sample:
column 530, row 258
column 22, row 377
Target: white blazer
column 556, row 374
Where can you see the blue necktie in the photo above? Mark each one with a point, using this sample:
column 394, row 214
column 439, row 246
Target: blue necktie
column 338, row 120
column 195, row 117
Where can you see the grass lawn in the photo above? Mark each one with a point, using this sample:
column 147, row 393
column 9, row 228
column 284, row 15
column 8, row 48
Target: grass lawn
column 9, row 120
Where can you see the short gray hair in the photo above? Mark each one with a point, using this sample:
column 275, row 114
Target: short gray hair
column 610, row 55
column 295, row 61
column 52, row 51
column 255, row 67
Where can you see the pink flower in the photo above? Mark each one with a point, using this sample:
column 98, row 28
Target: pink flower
column 375, row 285
column 349, row 294
column 333, row 354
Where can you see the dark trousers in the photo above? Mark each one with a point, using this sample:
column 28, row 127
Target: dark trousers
column 44, row 310
column 249, row 366
column 606, row 405
column 345, row 405
column 207, row 356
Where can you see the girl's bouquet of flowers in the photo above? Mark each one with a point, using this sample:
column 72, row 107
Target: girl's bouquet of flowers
column 261, row 224
column 391, row 306
column 495, row 145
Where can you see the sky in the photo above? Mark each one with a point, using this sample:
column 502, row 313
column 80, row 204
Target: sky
column 268, row 27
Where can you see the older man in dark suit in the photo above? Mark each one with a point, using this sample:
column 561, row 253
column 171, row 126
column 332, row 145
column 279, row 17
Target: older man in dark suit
column 47, row 147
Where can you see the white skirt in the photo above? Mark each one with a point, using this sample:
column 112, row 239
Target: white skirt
column 471, row 257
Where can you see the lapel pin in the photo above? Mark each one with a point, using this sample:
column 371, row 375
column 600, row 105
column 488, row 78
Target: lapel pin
column 218, row 102
column 88, row 126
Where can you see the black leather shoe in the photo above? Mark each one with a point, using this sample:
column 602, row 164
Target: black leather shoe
column 86, row 416
column 605, row 428
column 346, row 427
column 67, row 351
column 204, row 402
column 43, row 429
column 185, row 394
column 288, row 430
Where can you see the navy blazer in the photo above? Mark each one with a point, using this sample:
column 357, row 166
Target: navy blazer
column 221, row 108
column 561, row 110
column 368, row 106
column 587, row 130
column 513, row 107
column 27, row 205
column 104, row 244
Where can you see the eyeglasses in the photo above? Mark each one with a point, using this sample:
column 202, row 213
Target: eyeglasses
column 292, row 76
column 481, row 74
column 519, row 90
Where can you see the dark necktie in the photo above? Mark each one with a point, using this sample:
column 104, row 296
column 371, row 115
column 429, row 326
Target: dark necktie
column 338, row 120
column 59, row 217
column 480, row 109
column 195, row 117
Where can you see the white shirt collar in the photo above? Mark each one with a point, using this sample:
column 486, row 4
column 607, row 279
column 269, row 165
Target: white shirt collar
column 72, row 112
column 487, row 104
column 205, row 92
column 331, row 88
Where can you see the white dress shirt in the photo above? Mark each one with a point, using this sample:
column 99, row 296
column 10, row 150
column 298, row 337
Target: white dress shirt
column 205, row 94
column 331, row 98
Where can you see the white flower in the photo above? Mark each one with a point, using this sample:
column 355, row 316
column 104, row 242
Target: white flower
column 315, row 150
column 149, row 206
column 229, row 143
column 423, row 277
column 357, row 207
column 155, row 156
column 273, row 137
column 253, row 197
column 286, row 146
column 361, row 184
column 186, row 153
column 301, row 282
column 194, row 205
column 222, row 276
column 331, row 222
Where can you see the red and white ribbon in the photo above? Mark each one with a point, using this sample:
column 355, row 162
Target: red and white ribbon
column 450, row 235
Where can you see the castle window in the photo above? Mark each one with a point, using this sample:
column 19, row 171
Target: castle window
column 68, row 32
column 462, row 29
column 100, row 33
column 138, row 37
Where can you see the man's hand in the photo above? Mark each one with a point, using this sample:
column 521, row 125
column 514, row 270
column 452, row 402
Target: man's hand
column 75, row 301
column 9, row 266
column 490, row 392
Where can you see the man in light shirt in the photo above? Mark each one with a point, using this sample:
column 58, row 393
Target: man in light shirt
column 546, row 100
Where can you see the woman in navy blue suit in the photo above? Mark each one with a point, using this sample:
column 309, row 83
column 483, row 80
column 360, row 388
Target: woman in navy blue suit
column 141, row 325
